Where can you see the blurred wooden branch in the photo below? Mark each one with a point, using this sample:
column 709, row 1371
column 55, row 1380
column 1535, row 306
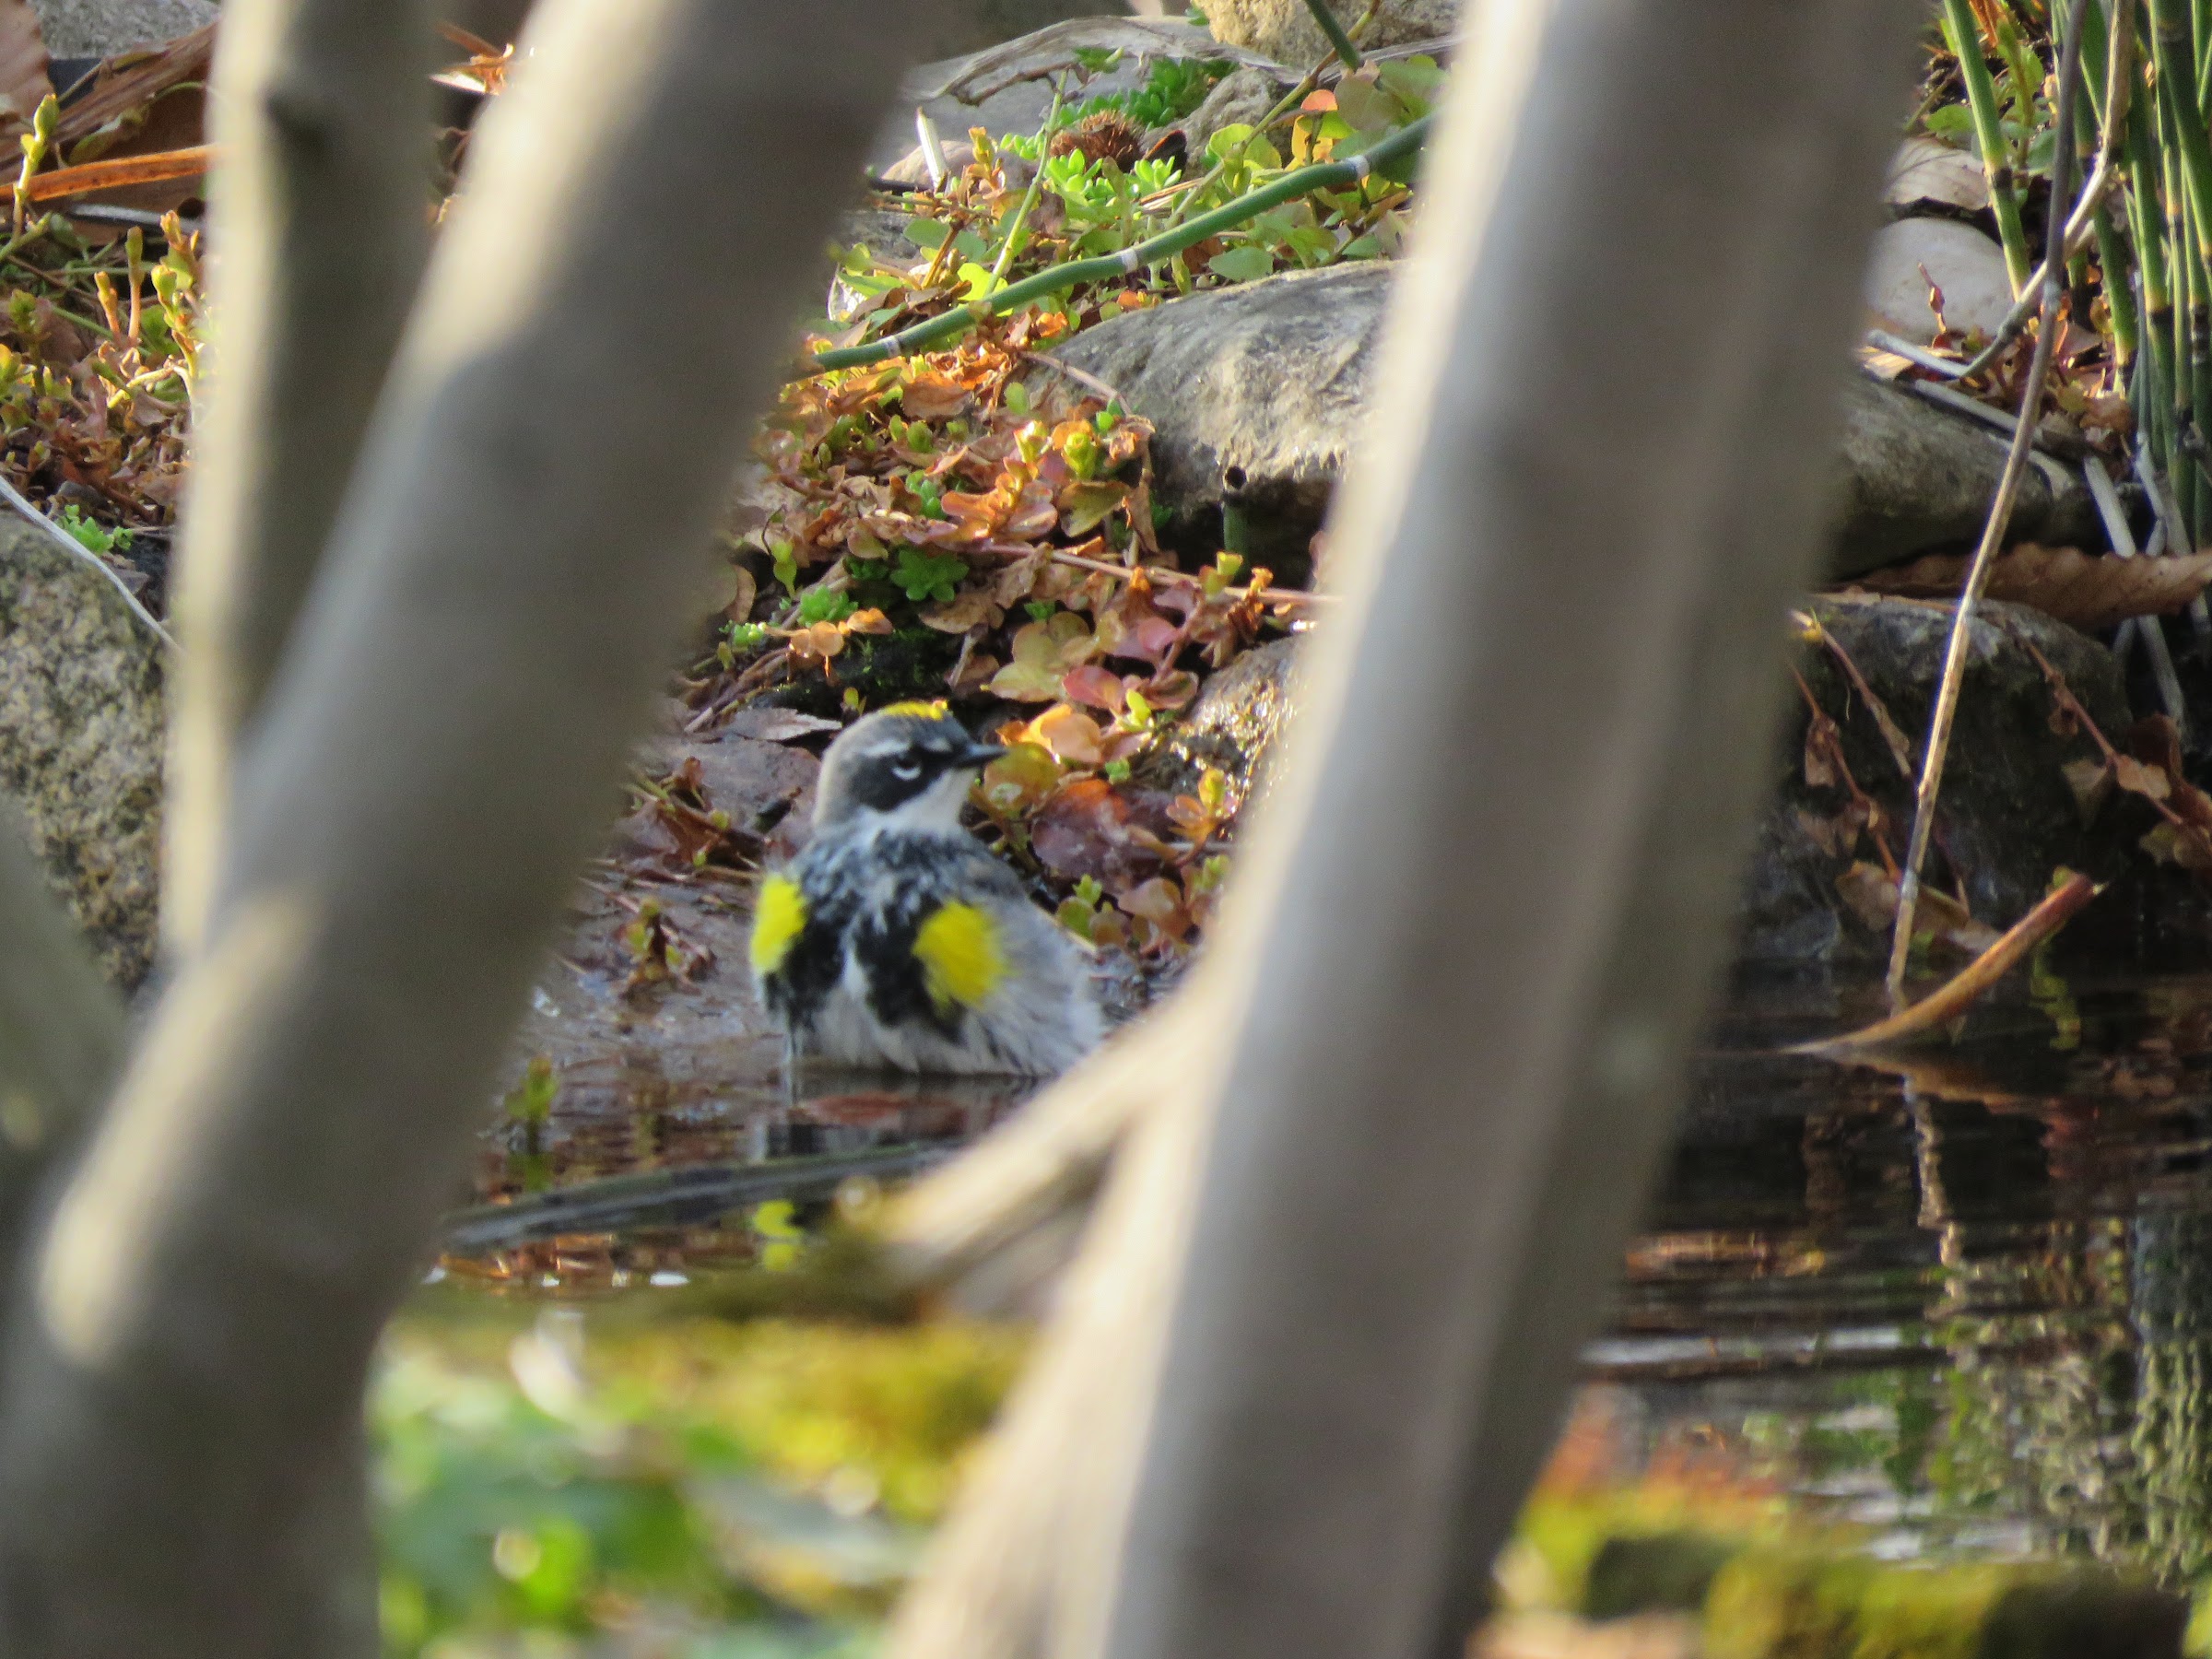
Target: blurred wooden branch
column 321, row 225
column 502, row 587
column 1468, row 947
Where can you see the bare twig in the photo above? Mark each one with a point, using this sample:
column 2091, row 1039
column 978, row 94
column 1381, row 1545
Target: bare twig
column 1081, row 377
column 1919, row 355
column 1184, row 579
column 2000, row 518
column 78, row 550
column 1988, row 415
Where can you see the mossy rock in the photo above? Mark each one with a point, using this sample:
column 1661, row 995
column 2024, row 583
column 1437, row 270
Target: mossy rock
column 1766, row 1603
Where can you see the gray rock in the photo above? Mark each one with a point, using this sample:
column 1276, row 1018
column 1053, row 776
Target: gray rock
column 1285, row 30
column 1017, row 105
column 1240, row 98
column 2006, row 817
column 953, row 31
column 1916, row 478
column 81, row 717
column 1967, row 266
column 1234, row 724
column 1255, row 394
column 96, row 28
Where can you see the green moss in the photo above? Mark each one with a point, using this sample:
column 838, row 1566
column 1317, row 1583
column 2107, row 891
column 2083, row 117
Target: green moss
column 910, row 663
column 551, row 1480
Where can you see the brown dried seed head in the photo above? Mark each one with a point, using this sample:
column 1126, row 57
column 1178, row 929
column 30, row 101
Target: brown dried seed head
column 1100, row 135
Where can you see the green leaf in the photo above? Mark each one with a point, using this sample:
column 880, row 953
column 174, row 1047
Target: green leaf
column 925, row 576
column 927, row 233
column 1224, row 142
column 1247, row 263
column 822, row 604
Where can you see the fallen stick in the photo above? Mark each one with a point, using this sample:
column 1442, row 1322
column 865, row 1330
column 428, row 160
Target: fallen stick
column 1960, row 992
column 159, row 168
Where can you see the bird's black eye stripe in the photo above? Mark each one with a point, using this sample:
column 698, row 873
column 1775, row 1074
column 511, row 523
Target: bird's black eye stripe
column 906, row 768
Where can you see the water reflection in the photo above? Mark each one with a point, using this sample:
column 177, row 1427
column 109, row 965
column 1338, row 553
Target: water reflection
column 1960, row 1299
column 629, row 1174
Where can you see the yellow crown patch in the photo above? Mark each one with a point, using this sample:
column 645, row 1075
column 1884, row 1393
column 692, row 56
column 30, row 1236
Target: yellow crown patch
column 962, row 962
column 928, row 710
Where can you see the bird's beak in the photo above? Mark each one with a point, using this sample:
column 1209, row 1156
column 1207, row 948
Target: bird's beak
column 982, row 754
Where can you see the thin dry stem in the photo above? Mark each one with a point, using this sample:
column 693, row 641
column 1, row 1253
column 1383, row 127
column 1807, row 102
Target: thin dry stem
column 1993, row 532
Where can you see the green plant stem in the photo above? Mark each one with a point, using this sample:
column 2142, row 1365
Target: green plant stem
column 1029, row 196
column 1989, row 136
column 1325, row 175
column 2119, row 293
column 1333, row 31
column 2182, row 119
column 2200, row 19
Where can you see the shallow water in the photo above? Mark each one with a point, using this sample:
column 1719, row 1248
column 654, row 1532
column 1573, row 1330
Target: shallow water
column 1959, row 1300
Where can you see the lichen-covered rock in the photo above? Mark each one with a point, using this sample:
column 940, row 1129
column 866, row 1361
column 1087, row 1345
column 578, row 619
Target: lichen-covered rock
column 2007, row 815
column 81, row 719
column 1256, row 395
column 96, row 28
column 1240, row 98
column 1285, row 29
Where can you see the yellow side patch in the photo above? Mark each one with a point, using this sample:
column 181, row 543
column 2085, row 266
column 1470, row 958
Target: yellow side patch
column 779, row 917
column 962, row 959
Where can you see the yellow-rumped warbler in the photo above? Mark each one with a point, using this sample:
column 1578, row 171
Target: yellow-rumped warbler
column 895, row 939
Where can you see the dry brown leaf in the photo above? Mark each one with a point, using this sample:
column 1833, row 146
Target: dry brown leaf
column 1870, row 892
column 968, row 608
column 2087, row 590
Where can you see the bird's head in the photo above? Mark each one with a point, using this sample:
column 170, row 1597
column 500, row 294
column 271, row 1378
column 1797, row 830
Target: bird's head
column 909, row 765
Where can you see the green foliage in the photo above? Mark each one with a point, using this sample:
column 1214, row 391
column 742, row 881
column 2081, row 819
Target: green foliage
column 928, row 576
column 95, row 537
column 534, row 1495
column 825, row 605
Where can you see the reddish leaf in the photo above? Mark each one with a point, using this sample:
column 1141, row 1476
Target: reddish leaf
column 1095, row 687
column 1087, row 828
